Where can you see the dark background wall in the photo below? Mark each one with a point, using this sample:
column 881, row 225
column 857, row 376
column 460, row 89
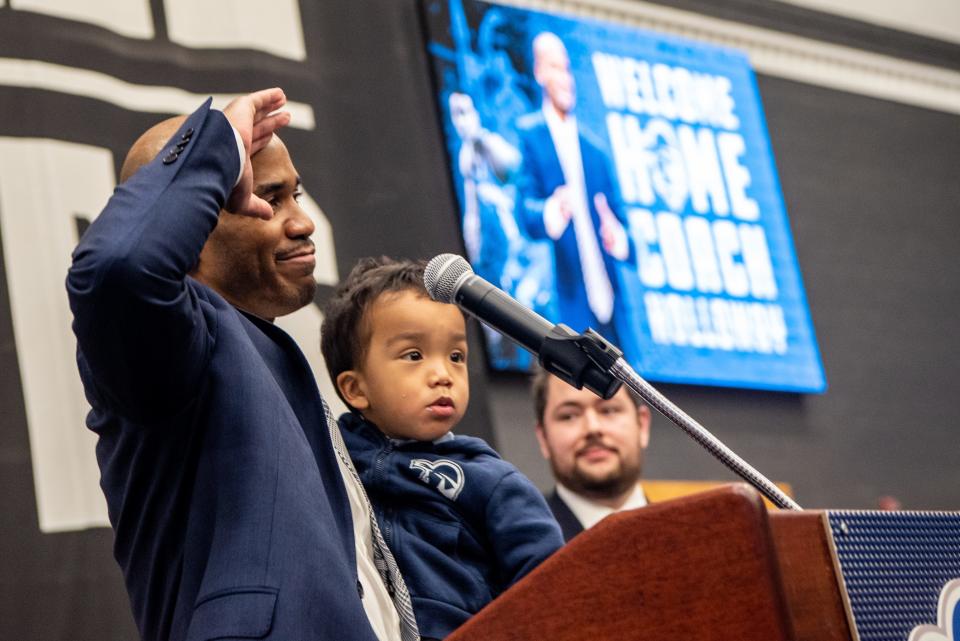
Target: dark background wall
column 874, row 203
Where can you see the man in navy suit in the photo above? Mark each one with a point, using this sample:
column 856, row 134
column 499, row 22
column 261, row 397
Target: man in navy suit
column 567, row 196
column 595, row 449
column 234, row 516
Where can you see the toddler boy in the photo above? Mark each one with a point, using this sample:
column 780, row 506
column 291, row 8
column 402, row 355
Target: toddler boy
column 463, row 524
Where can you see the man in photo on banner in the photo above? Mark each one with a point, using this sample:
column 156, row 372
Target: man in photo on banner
column 235, row 510
column 567, row 195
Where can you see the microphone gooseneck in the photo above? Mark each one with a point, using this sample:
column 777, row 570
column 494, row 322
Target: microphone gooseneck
column 622, row 370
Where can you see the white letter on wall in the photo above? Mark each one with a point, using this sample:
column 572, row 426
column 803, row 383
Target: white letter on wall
column 44, row 186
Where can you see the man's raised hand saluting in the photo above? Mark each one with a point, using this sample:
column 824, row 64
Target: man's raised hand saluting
column 256, row 119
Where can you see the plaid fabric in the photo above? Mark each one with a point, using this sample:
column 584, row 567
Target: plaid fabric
column 382, row 556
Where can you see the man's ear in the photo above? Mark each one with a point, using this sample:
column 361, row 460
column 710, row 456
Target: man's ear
column 538, row 74
column 542, row 440
column 351, row 386
column 643, row 422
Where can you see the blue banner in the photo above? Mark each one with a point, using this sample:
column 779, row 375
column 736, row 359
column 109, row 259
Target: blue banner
column 623, row 180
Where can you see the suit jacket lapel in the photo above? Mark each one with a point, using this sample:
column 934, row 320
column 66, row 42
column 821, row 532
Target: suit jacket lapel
column 569, row 524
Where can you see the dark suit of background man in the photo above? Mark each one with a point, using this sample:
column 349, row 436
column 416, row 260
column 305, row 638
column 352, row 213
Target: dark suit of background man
column 233, row 515
column 567, row 195
column 595, row 450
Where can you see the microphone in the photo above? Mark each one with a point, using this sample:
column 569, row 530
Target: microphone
column 582, row 360
column 450, row 279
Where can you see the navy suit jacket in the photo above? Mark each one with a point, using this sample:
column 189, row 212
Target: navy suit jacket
column 230, row 515
column 540, row 176
column 569, row 523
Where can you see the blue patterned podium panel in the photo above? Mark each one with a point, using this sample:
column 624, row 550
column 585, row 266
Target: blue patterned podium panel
column 895, row 566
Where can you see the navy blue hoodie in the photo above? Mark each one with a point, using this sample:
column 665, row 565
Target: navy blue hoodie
column 463, row 524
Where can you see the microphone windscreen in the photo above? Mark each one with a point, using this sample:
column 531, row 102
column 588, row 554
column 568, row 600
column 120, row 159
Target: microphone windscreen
column 441, row 275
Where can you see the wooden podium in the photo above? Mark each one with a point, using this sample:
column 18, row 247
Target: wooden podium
column 712, row 566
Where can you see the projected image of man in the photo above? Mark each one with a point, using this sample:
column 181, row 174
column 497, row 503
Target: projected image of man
column 567, row 195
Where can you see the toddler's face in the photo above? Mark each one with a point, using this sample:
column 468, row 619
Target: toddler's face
column 413, row 382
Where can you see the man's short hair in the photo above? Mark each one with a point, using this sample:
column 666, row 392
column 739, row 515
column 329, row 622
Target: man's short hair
column 540, row 383
column 345, row 334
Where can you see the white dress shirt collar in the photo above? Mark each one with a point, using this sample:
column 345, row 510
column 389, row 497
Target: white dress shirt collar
column 561, row 127
column 589, row 513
